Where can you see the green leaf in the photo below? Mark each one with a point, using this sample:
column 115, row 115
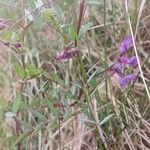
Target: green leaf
column 27, row 133
column 92, row 76
column 95, row 2
column 7, row 140
column 23, row 123
column 7, row 35
column 58, row 79
column 31, row 3
column 106, row 119
column 55, row 77
column 68, row 94
column 38, row 3
column 59, row 12
column 2, row 102
column 9, row 115
column 37, row 20
column 28, row 14
column 84, row 107
column 37, row 114
column 85, row 28
column 47, row 14
column 22, row 137
column 16, row 103
column 39, row 127
column 73, row 31
column 33, row 101
column 20, row 71
column 31, row 70
column 50, row 103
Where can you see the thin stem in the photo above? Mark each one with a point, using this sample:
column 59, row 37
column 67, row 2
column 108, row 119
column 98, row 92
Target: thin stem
column 59, row 124
column 136, row 53
column 18, row 131
column 105, row 47
column 80, row 19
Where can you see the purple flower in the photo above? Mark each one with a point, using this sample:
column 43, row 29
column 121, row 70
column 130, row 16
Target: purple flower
column 123, row 80
column 128, row 60
column 126, row 43
column 116, row 68
column 3, row 23
column 122, row 59
column 67, row 54
column 17, row 45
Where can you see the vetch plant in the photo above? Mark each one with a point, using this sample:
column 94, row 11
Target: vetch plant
column 54, row 75
column 122, row 59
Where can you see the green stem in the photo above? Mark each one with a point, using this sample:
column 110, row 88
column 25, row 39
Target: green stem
column 105, row 48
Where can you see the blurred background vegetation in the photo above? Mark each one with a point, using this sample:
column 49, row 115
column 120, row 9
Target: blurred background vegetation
column 47, row 104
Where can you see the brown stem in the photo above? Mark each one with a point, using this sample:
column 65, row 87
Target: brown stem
column 80, row 16
column 80, row 19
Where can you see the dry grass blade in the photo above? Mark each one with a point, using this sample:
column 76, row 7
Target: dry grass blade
column 135, row 49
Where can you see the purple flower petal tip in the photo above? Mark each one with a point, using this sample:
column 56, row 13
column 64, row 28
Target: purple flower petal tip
column 3, row 23
column 66, row 54
column 17, row 45
column 126, row 43
column 128, row 60
column 123, row 80
column 116, row 68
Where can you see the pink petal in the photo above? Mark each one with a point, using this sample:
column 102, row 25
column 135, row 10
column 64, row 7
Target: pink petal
column 123, row 80
column 128, row 60
column 116, row 68
column 3, row 23
column 126, row 43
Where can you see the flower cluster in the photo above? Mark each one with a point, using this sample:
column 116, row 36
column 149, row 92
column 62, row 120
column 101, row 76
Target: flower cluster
column 122, row 59
column 67, row 53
